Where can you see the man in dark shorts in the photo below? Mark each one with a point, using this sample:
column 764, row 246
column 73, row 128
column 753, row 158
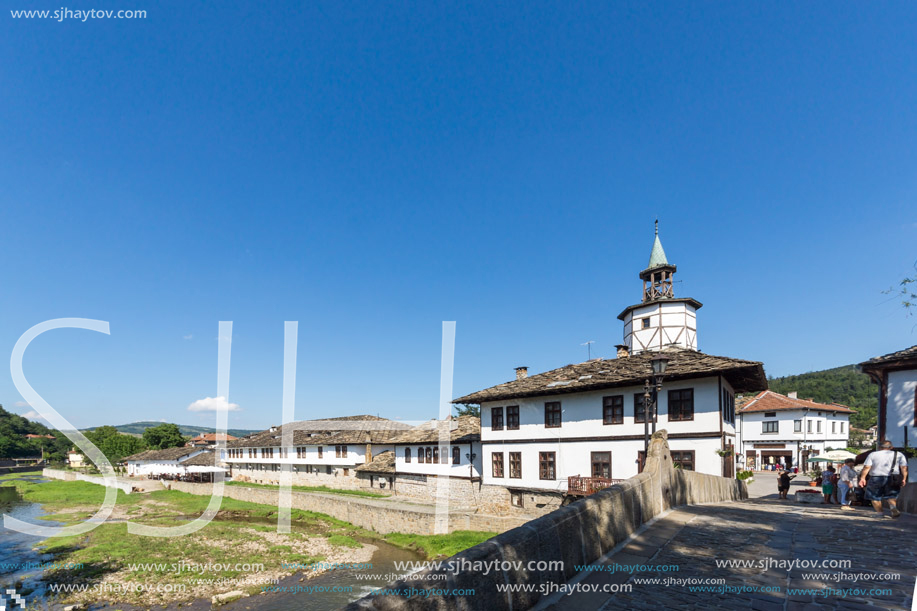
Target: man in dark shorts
column 879, row 466
column 783, row 483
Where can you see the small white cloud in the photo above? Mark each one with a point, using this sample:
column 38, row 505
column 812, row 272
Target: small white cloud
column 21, row 404
column 213, row 404
column 189, row 336
column 33, row 415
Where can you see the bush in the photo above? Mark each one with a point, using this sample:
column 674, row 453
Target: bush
column 744, row 475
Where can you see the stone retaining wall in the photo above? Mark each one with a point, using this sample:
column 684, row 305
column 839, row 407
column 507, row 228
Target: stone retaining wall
column 380, row 515
column 579, row 533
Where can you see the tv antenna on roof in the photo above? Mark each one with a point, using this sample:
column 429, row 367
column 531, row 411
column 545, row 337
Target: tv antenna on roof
column 589, row 348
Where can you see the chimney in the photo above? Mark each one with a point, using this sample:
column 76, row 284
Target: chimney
column 522, row 372
column 792, row 395
column 623, row 351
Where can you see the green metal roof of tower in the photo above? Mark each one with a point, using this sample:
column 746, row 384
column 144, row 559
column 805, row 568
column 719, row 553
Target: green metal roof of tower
column 657, row 257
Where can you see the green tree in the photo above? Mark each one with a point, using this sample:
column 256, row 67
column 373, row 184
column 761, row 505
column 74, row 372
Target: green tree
column 163, row 436
column 907, row 292
column 114, row 444
column 844, row 385
column 468, row 410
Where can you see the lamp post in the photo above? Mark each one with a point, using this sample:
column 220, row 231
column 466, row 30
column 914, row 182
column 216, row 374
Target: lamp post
column 659, row 364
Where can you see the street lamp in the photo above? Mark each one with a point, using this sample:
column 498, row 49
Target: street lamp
column 659, row 363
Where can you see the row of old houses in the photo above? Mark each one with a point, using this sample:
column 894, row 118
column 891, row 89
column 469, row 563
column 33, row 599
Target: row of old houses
column 544, row 437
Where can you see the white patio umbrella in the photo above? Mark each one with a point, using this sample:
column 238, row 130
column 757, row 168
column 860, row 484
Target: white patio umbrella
column 838, row 455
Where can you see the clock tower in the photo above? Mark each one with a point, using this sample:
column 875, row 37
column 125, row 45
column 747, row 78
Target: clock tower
column 660, row 320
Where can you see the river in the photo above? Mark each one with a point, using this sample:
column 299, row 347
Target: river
column 16, row 548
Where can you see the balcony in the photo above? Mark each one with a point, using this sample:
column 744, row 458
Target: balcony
column 584, row 486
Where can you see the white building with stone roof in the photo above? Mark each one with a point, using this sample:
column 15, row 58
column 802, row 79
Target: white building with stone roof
column 589, row 419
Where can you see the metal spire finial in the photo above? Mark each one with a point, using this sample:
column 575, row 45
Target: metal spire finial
column 657, row 226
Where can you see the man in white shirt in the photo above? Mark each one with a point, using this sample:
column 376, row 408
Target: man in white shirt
column 847, row 481
column 879, row 466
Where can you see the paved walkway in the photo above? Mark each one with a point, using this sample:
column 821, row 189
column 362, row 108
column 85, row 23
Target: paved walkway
column 771, row 531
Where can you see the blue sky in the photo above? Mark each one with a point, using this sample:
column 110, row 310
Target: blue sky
column 373, row 169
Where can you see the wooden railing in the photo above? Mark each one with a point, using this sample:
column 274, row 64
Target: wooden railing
column 584, row 486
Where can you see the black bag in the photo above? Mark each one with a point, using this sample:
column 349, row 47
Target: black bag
column 894, row 479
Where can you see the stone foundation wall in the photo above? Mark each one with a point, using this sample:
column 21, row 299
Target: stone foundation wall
column 577, row 534
column 336, row 479
column 460, row 492
column 381, row 515
column 497, row 500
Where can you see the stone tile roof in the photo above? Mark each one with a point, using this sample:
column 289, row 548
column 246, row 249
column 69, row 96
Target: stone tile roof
column 597, row 374
column 770, row 401
column 463, row 429
column 901, row 357
column 384, row 462
column 167, row 454
column 328, row 431
column 204, row 459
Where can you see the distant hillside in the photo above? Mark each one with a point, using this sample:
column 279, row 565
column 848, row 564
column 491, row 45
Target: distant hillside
column 15, row 444
column 844, row 385
column 137, row 428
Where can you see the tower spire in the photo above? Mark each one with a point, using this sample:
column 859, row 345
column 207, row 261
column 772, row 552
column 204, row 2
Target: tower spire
column 657, row 277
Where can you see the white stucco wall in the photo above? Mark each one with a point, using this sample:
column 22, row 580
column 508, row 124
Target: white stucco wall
column 582, row 417
column 902, row 386
column 425, row 468
column 670, row 324
column 356, row 455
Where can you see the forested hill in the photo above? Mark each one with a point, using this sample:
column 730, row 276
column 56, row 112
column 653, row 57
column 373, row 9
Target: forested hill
column 137, row 428
column 13, row 441
column 844, row 385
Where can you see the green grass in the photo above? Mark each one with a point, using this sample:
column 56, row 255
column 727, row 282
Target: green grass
column 436, row 546
column 110, row 549
column 344, row 541
column 23, row 474
column 55, row 495
column 322, row 489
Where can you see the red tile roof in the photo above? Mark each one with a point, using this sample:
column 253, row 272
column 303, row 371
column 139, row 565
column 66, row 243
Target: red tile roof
column 770, row 401
column 214, row 437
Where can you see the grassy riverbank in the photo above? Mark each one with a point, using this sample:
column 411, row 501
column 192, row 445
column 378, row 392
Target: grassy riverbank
column 176, row 568
column 35, row 473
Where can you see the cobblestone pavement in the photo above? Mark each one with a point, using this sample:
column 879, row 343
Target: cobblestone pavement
column 764, row 530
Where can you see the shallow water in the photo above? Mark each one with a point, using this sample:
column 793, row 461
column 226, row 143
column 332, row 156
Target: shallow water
column 16, row 551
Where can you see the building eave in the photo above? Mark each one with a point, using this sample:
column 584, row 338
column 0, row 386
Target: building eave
column 689, row 300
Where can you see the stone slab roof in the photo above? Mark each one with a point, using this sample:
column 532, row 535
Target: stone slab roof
column 167, row 454
column 463, row 429
column 598, row 374
column 770, row 401
column 328, row 431
column 902, row 357
column 384, row 462
column 204, row 459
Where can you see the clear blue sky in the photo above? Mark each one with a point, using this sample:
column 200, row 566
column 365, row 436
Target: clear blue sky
column 372, row 169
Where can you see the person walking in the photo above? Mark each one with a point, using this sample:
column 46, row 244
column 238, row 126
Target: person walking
column 884, row 475
column 783, row 484
column 827, row 485
column 846, row 483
